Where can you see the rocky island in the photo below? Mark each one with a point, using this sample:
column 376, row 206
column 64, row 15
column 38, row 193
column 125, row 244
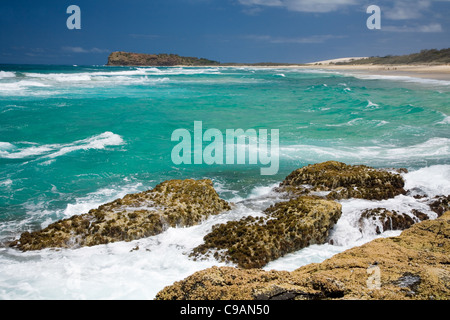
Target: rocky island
column 120, row 58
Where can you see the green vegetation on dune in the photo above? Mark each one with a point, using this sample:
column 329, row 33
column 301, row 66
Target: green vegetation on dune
column 432, row 56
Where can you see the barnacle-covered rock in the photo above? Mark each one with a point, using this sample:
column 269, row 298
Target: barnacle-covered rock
column 440, row 204
column 174, row 203
column 342, row 181
column 286, row 227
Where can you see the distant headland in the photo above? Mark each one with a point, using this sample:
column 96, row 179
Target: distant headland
column 120, row 58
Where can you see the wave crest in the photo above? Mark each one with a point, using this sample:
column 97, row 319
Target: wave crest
column 56, row 150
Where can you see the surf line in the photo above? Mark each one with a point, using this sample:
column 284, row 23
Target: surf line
column 240, row 147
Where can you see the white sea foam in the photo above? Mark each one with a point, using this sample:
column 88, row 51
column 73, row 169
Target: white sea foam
column 434, row 148
column 55, row 150
column 24, row 88
column 88, row 76
column 44, row 84
column 7, row 74
column 20, row 85
column 371, row 105
column 27, row 152
column 12, row 107
column 446, row 120
column 349, row 230
column 433, row 180
column 6, row 146
column 101, row 78
column 39, row 84
column 6, row 183
column 360, row 121
column 96, row 142
column 82, row 76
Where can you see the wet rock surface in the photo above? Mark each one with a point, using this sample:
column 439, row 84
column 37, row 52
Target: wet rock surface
column 440, row 204
column 175, row 203
column 415, row 265
column 342, row 181
column 384, row 220
column 287, row 226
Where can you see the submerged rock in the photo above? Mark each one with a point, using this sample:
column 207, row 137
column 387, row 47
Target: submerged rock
column 440, row 204
column 175, row 203
column 342, row 181
column 383, row 220
column 415, row 265
column 286, row 227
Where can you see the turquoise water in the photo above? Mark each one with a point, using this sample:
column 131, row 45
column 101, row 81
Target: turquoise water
column 72, row 138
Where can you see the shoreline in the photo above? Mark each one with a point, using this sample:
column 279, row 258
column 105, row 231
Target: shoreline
column 436, row 72
column 433, row 72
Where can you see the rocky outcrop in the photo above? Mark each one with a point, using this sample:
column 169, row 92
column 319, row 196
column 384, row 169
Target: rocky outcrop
column 342, row 181
column 415, row 265
column 175, row 203
column 308, row 216
column 120, row 58
column 286, row 227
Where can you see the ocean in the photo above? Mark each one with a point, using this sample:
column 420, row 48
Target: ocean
column 75, row 137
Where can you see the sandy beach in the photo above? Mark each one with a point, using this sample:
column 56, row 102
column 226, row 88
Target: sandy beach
column 437, row 72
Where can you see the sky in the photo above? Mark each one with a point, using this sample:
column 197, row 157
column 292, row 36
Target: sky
column 244, row 31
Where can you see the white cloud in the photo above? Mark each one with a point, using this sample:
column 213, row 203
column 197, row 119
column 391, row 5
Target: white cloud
column 433, row 27
column 97, row 50
column 392, row 10
column 409, row 9
column 83, row 50
column 318, row 5
column 302, row 5
column 406, row 10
